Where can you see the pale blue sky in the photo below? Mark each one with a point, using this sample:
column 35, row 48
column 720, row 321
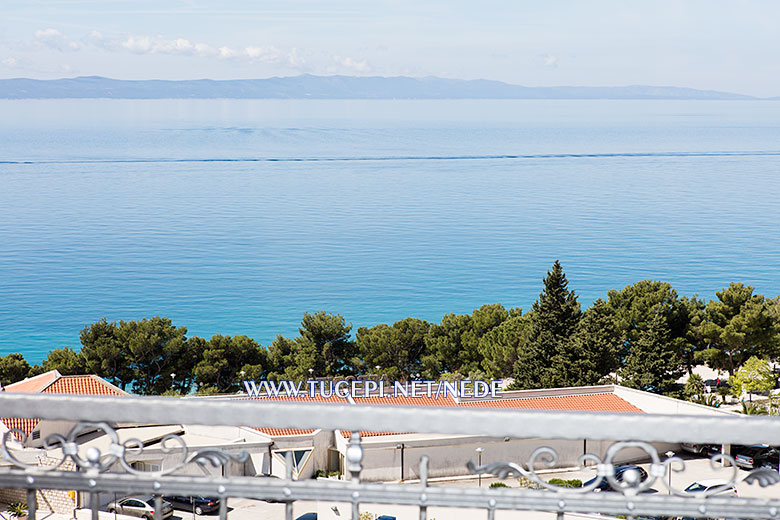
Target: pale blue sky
column 710, row 44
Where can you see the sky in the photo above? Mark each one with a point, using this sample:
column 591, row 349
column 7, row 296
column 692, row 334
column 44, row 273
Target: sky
column 729, row 45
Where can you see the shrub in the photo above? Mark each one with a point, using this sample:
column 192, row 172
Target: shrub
column 528, row 483
column 498, row 485
column 573, row 483
column 17, row 510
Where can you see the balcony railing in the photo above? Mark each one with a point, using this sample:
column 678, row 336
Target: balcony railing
column 95, row 471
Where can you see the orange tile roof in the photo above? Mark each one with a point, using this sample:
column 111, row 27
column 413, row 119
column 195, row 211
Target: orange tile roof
column 606, row 402
column 304, row 398
column 284, row 432
column 25, row 425
column 443, row 400
column 87, row 385
column 35, row 384
column 347, row 434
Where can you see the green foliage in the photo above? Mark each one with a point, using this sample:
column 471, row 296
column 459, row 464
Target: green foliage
column 737, row 326
column 452, row 345
column 397, row 350
column 66, row 361
column 754, row 409
column 152, row 348
column 104, row 355
column 13, row 368
column 498, row 485
column 754, row 376
column 324, row 346
column 222, row 360
column 657, row 326
column 654, row 363
column 17, row 509
column 706, row 400
column 554, row 319
column 142, row 354
column 326, row 339
column 572, row 483
column 694, row 386
column 499, row 347
column 595, row 348
column 527, row 483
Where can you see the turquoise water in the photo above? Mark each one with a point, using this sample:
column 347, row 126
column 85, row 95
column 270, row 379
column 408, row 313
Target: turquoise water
column 236, row 216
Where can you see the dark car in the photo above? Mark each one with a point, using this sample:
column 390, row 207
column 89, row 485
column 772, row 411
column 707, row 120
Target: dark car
column 756, row 456
column 620, row 471
column 198, row 505
column 307, row 516
column 701, row 449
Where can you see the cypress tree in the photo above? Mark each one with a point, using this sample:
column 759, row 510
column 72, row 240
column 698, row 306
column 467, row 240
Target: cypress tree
column 554, row 318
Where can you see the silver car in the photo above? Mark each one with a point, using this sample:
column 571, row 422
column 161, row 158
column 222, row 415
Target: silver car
column 140, row 506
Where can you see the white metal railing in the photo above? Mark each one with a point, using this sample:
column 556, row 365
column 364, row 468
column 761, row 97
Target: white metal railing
column 93, row 473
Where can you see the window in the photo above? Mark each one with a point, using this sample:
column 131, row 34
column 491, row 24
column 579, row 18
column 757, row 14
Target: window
column 299, row 459
column 36, row 435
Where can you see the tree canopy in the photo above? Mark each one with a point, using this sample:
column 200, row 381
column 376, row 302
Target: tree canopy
column 737, row 326
column 644, row 336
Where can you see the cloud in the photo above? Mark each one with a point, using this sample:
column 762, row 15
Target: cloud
column 352, row 64
column 263, row 54
column 146, row 44
column 26, row 65
column 54, row 39
column 160, row 45
column 227, row 53
column 549, row 60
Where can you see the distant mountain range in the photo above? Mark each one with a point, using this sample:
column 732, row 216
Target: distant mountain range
column 331, row 87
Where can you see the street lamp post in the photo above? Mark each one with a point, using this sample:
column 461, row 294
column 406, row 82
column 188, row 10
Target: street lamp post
column 479, row 464
column 669, row 454
column 401, row 447
column 173, row 379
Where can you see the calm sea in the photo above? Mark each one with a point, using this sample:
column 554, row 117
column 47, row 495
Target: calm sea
column 236, row 217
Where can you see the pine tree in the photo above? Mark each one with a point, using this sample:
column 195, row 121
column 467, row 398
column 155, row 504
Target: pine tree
column 654, row 363
column 555, row 315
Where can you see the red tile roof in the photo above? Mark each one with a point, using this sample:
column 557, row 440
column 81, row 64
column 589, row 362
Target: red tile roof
column 284, row 432
column 35, row 384
column 86, row 385
column 54, row 383
column 606, row 402
column 443, row 400
column 25, row 425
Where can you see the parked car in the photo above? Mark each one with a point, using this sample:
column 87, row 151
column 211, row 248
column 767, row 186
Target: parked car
column 620, row 471
column 307, row 516
column 198, row 505
column 140, row 506
column 701, row 449
column 756, row 456
column 700, row 486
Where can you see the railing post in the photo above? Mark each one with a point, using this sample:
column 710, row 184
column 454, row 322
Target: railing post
column 423, row 484
column 354, row 466
column 32, row 504
column 158, row 505
column 94, row 504
column 288, row 474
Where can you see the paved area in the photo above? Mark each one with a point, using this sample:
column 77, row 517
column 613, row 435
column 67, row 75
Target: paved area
column 250, row 509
